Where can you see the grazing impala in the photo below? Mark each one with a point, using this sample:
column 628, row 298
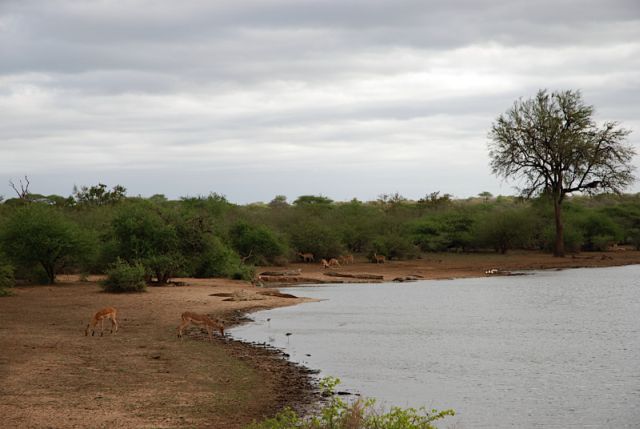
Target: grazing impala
column 325, row 263
column 200, row 320
column 306, row 257
column 106, row 313
column 380, row 259
column 346, row 259
column 333, row 262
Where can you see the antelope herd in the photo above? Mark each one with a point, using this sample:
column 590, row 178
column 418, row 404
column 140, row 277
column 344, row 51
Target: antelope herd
column 341, row 260
column 202, row 320
column 188, row 318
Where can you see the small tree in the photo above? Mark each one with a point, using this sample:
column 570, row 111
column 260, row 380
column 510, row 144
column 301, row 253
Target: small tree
column 98, row 195
column 142, row 235
column 37, row 234
column 257, row 243
column 552, row 143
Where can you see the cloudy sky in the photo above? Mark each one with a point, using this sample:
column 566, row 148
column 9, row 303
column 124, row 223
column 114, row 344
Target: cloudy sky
column 256, row 98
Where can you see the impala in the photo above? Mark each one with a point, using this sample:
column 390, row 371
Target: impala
column 200, row 320
column 106, row 313
column 346, row 259
column 306, row 257
column 380, row 259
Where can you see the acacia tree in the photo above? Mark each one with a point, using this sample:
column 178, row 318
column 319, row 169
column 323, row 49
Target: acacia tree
column 552, row 143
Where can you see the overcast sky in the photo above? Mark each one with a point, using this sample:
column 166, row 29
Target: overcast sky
column 256, row 98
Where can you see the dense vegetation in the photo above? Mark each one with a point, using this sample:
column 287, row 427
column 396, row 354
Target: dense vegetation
column 360, row 414
column 96, row 230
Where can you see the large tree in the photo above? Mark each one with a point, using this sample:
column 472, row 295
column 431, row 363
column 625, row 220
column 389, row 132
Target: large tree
column 552, row 143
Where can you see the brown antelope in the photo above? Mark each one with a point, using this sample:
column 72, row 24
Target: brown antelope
column 306, row 257
column 106, row 313
column 380, row 259
column 346, row 259
column 200, row 320
column 324, row 263
column 333, row 262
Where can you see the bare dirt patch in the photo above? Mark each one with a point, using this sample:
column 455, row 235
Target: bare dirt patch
column 53, row 376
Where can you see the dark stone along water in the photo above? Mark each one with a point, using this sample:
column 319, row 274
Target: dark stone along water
column 554, row 349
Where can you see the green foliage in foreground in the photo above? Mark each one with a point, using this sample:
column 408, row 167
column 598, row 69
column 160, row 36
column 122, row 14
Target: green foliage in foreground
column 123, row 276
column 360, row 414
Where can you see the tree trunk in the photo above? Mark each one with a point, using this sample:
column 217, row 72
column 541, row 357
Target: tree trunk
column 51, row 272
column 558, row 249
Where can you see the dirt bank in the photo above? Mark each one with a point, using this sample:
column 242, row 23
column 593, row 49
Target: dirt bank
column 51, row 375
column 457, row 265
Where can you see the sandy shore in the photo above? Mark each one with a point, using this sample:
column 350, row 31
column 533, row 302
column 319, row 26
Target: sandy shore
column 51, row 375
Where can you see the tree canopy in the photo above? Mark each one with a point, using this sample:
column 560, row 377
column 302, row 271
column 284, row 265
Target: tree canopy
column 552, row 143
column 37, row 234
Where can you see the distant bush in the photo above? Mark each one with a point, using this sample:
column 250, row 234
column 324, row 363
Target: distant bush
column 163, row 267
column 572, row 238
column 599, row 232
column 634, row 238
column 123, row 276
column 394, row 246
column 6, row 279
column 361, row 414
column 257, row 242
column 503, row 230
column 317, row 238
column 219, row 260
column 445, row 231
column 38, row 235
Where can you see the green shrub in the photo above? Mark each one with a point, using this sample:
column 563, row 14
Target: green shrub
column 599, row 231
column 448, row 231
column 572, row 238
column 394, row 246
column 219, row 260
column 37, row 235
column 123, row 276
column 7, row 280
column 503, row 230
column 315, row 237
column 257, row 242
column 360, row 414
column 163, row 267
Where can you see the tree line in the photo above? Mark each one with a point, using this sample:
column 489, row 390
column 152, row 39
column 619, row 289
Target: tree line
column 96, row 228
column 550, row 143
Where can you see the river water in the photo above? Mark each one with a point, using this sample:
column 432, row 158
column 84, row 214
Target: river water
column 554, row 349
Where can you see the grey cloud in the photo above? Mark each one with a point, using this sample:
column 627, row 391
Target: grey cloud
column 187, row 36
column 248, row 96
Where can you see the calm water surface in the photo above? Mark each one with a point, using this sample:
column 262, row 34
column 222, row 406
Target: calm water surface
column 555, row 349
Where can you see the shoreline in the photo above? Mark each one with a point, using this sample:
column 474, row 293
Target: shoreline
column 445, row 266
column 144, row 376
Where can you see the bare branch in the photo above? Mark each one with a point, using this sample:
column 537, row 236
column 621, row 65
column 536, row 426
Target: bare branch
column 23, row 192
